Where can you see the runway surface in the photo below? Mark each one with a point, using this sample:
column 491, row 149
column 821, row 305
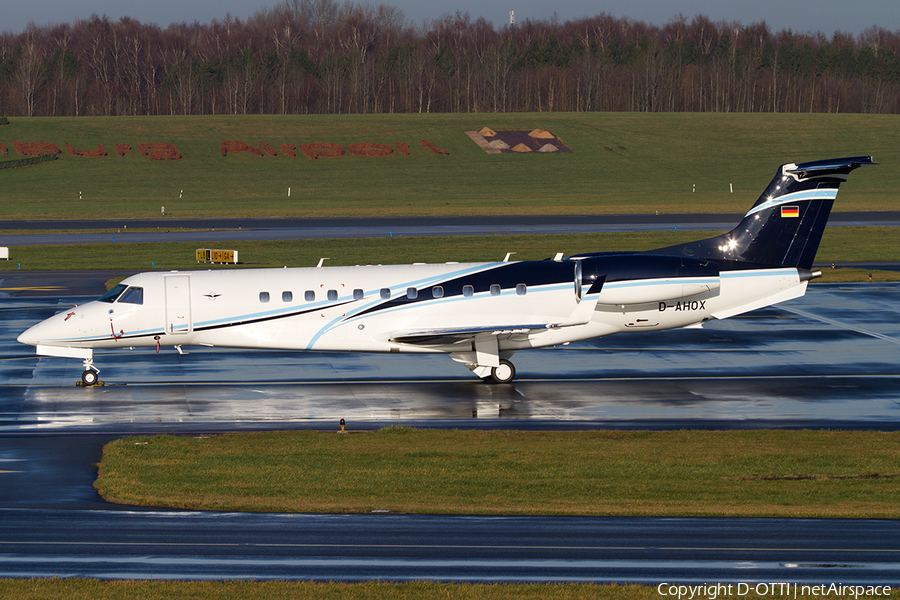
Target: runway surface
column 191, row 545
column 830, row 359
column 213, row 230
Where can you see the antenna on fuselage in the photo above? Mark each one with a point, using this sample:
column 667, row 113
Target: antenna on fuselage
column 508, row 254
column 321, row 261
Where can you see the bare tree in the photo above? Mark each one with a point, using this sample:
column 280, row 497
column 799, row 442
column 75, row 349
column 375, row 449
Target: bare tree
column 27, row 68
column 320, row 56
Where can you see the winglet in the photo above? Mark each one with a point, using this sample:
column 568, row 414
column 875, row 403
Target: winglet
column 585, row 309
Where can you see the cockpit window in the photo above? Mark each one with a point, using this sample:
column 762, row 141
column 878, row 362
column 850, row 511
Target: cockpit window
column 133, row 295
column 112, row 294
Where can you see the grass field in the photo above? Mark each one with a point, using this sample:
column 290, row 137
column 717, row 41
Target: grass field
column 84, row 589
column 623, row 163
column 848, row 474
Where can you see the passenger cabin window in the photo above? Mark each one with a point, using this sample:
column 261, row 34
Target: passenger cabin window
column 358, row 294
column 521, row 289
column 468, row 291
column 264, row 297
column 309, row 295
column 332, row 294
column 287, row 296
column 495, row 289
column 412, row 293
column 112, row 294
column 133, row 295
column 437, row 292
column 385, row 293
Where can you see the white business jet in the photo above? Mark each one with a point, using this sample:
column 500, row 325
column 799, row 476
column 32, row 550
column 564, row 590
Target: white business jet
column 478, row 313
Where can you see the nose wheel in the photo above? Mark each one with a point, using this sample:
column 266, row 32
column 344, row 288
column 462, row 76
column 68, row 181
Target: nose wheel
column 91, row 375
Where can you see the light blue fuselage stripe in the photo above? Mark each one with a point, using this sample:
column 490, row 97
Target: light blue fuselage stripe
column 648, row 282
column 758, row 273
column 823, row 194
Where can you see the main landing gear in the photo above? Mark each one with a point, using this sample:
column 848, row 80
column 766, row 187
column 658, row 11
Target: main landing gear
column 505, row 373
column 497, row 370
column 487, row 361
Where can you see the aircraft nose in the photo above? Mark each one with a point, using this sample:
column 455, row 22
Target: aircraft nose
column 30, row 336
column 39, row 333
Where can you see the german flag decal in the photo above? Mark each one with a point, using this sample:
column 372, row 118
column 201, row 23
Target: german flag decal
column 790, row 211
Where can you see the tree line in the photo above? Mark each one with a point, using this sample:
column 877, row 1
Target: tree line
column 319, row 56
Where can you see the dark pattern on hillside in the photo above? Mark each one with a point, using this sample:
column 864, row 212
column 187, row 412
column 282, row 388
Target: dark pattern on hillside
column 26, row 162
column 518, row 141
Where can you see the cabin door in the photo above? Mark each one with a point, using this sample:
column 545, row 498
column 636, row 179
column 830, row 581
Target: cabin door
column 178, row 304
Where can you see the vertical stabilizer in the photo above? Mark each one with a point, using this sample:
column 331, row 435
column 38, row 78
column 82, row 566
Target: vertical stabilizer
column 785, row 226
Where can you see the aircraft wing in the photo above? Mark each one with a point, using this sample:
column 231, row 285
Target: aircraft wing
column 444, row 337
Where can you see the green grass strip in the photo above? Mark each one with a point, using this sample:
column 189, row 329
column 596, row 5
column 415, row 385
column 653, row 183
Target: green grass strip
column 676, row 473
column 87, row 589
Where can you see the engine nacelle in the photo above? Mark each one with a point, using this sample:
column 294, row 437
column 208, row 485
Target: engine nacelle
column 645, row 278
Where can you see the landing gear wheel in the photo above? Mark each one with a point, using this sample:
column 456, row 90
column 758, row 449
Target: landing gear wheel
column 505, row 373
column 89, row 377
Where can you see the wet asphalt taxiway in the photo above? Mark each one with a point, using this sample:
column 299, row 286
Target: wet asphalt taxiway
column 829, row 359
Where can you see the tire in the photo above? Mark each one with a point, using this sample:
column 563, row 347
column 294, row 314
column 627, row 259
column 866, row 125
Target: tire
column 89, row 377
column 505, row 373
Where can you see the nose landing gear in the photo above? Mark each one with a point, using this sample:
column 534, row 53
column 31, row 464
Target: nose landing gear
column 91, row 375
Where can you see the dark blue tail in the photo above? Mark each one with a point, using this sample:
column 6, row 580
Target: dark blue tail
column 785, row 226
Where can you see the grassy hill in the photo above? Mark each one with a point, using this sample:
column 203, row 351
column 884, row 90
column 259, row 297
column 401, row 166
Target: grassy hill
column 622, row 163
